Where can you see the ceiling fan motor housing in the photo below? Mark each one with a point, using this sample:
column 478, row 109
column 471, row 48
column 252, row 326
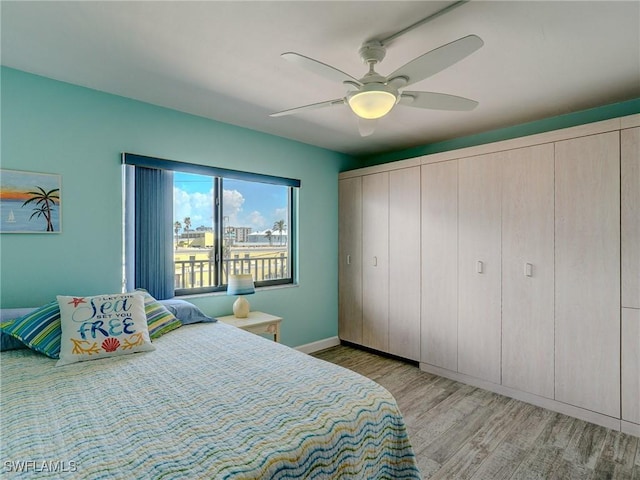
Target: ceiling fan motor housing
column 372, row 52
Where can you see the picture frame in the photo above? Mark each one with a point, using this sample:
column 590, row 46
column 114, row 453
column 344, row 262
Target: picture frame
column 30, row 202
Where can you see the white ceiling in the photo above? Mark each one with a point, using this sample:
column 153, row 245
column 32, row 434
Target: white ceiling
column 221, row 60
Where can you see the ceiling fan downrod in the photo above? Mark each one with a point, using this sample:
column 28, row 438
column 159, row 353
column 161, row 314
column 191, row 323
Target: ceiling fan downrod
column 390, row 38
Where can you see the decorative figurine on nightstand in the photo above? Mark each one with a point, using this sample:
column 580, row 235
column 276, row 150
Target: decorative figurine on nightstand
column 241, row 285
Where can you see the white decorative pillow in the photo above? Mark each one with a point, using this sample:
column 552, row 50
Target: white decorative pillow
column 102, row 326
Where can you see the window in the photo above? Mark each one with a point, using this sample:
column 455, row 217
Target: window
column 220, row 222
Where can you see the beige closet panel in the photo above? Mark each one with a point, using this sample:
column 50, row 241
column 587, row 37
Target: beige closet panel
column 350, row 260
column 631, row 365
column 439, row 330
column 527, row 270
column 479, row 267
column 630, row 174
column 404, row 263
column 587, row 284
column 630, row 219
column 375, row 261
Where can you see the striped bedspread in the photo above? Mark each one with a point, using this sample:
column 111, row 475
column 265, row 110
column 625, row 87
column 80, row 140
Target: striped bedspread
column 211, row 402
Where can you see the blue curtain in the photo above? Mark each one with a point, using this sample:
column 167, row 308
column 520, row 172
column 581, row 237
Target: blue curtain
column 153, row 211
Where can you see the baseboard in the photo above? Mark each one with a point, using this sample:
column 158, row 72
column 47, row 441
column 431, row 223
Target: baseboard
column 556, row 406
column 319, row 345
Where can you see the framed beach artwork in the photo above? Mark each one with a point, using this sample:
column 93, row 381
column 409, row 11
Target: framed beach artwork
column 29, row 202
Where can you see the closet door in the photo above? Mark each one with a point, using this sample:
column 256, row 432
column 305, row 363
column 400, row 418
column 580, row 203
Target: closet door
column 404, row 263
column 439, row 330
column 587, row 285
column 527, row 270
column 350, row 260
column 630, row 177
column 479, row 267
column 630, row 155
column 631, row 365
column 375, row 261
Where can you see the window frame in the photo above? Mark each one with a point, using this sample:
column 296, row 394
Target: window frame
column 218, row 175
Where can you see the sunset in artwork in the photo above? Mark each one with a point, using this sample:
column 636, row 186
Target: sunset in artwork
column 15, row 195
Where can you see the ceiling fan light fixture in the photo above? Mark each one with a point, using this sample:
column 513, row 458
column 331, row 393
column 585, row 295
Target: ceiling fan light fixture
column 372, row 104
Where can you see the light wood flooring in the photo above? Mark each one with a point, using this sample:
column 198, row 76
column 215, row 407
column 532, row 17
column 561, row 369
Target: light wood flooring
column 462, row 432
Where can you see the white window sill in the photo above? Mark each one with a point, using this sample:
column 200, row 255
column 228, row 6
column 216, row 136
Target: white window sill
column 223, row 293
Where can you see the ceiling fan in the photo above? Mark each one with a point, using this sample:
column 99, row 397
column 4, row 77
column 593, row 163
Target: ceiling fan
column 373, row 96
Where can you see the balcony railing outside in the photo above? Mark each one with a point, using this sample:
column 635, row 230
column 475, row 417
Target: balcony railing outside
column 201, row 273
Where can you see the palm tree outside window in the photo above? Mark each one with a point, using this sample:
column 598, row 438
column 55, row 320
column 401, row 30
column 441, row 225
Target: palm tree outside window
column 279, row 226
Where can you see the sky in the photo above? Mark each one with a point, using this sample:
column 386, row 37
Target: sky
column 246, row 204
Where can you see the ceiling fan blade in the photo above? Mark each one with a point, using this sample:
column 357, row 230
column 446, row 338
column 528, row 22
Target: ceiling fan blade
column 322, row 69
column 313, row 106
column 437, row 101
column 366, row 126
column 437, row 60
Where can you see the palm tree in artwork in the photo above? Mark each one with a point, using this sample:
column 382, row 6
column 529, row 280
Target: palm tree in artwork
column 187, row 224
column 269, row 235
column 279, row 226
column 44, row 201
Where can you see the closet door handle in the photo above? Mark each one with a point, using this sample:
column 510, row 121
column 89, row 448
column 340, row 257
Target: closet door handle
column 348, row 259
column 375, row 261
column 479, row 266
column 528, row 270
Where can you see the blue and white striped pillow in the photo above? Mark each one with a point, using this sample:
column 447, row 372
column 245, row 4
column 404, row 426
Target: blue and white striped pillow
column 159, row 319
column 39, row 330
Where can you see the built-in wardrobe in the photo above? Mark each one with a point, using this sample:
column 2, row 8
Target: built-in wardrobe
column 512, row 266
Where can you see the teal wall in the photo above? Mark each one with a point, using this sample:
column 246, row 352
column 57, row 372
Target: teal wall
column 55, row 127
column 597, row 114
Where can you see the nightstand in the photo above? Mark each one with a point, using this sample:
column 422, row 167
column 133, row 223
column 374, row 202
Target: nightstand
column 256, row 322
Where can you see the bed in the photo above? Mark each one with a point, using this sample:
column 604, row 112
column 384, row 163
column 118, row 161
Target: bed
column 210, row 402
